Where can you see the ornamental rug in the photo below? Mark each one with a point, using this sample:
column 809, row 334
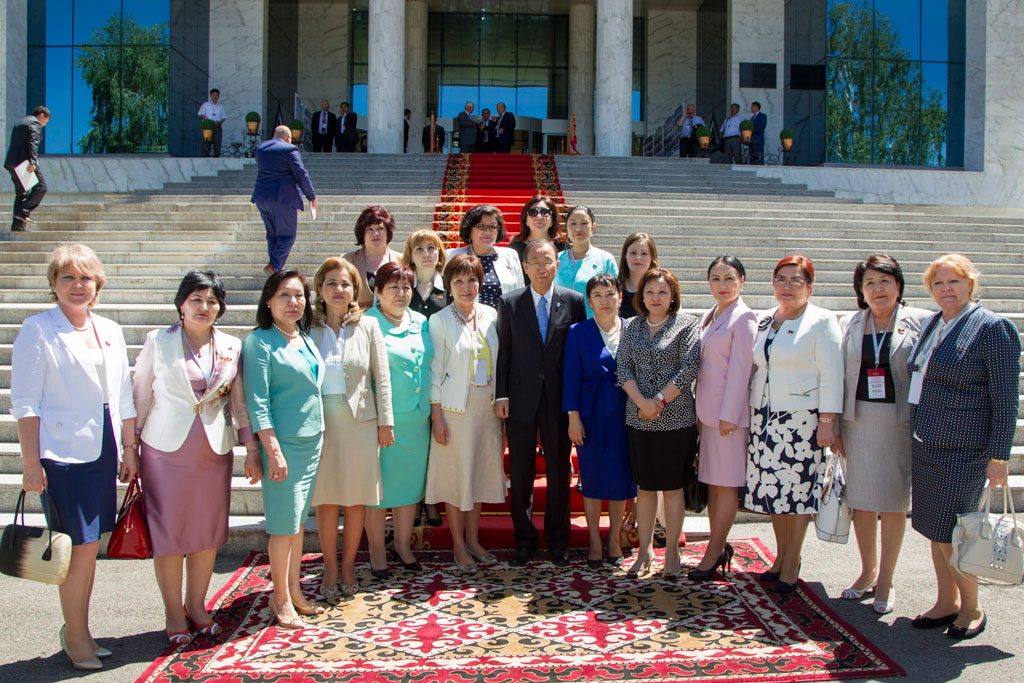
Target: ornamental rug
column 533, row 623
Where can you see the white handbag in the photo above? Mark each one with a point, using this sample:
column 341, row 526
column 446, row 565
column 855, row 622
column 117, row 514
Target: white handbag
column 988, row 545
column 832, row 523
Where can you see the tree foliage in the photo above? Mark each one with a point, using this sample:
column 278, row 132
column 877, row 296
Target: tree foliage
column 877, row 110
column 128, row 79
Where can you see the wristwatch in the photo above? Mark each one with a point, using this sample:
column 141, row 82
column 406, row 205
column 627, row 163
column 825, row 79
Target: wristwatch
column 660, row 398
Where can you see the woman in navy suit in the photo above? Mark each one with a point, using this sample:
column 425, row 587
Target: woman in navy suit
column 963, row 413
column 597, row 415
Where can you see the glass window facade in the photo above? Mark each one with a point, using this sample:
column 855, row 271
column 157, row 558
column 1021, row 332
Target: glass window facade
column 102, row 68
column 895, row 82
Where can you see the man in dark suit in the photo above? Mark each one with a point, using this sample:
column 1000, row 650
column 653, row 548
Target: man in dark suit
column 406, row 115
column 760, row 121
column 487, row 133
column 506, row 129
column 25, row 137
column 438, row 138
column 281, row 180
column 325, row 127
column 532, row 325
column 348, row 136
column 467, row 129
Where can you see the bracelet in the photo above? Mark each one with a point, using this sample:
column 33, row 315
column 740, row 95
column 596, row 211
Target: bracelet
column 129, row 446
column 826, row 420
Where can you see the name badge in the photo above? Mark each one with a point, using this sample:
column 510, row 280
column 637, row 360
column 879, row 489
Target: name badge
column 480, row 372
column 916, row 380
column 876, row 383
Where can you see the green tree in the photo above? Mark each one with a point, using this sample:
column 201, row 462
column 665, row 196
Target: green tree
column 129, row 88
column 875, row 112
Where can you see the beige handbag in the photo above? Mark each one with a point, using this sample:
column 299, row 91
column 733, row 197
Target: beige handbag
column 34, row 553
column 832, row 522
column 988, row 545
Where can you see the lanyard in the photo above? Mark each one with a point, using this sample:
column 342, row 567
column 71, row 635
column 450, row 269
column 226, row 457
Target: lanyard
column 473, row 335
column 875, row 341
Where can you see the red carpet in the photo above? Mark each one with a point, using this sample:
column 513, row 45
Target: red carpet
column 535, row 623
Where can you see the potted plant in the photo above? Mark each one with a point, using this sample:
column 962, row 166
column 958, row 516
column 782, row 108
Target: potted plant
column 207, row 126
column 252, row 122
column 746, row 130
column 703, row 137
column 786, row 136
column 297, row 128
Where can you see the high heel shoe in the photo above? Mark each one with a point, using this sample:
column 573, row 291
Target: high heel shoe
column 724, row 561
column 379, row 573
column 93, row 664
column 851, row 593
column 482, row 558
column 103, row 653
column 289, row 621
column 212, row 628
column 433, row 515
column 639, row 569
column 885, row 606
column 310, row 609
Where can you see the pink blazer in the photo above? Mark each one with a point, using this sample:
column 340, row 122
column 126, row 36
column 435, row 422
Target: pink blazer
column 726, row 363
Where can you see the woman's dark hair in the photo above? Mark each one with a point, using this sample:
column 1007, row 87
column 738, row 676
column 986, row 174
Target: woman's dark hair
column 580, row 207
column 393, row 271
column 603, row 280
column 555, row 233
column 462, row 264
column 630, row 241
column 883, row 263
column 473, row 217
column 264, row 320
column 201, row 279
column 730, row 261
column 657, row 274
column 372, row 215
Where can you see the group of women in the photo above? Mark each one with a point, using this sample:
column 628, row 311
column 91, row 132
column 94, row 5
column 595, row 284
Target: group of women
column 372, row 388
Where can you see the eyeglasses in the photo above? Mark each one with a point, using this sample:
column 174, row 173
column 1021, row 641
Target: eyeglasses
column 541, row 211
column 486, row 228
column 792, row 282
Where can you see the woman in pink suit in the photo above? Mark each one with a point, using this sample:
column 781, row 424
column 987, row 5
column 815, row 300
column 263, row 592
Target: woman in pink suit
column 723, row 413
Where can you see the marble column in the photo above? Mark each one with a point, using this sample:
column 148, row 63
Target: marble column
column 671, row 63
column 416, row 70
column 757, row 34
column 613, row 107
column 238, row 62
column 386, row 77
column 323, row 51
column 13, row 68
column 581, row 74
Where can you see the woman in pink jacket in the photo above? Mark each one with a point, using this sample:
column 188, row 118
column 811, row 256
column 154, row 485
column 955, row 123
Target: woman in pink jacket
column 723, row 413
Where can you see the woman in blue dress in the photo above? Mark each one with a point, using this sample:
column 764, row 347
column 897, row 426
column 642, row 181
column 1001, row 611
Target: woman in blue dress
column 597, row 415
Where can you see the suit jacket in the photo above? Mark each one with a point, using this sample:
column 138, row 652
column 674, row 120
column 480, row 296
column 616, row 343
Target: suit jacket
column 904, row 335
column 467, row 129
column 367, row 375
column 280, row 176
column 52, row 379
column 332, row 125
column 282, row 391
column 438, row 134
column 507, row 125
column 351, row 133
column 166, row 404
column 507, row 267
column 589, row 378
column 357, row 257
column 488, row 136
column 527, row 366
column 760, row 121
column 405, row 135
column 453, row 355
column 25, row 138
column 726, row 363
column 806, row 366
column 970, row 390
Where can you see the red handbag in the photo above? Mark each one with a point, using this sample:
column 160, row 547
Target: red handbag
column 130, row 538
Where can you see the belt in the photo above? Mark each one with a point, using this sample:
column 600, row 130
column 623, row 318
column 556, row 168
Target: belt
column 730, row 137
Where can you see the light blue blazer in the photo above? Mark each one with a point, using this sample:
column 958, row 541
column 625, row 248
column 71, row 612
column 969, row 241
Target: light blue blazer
column 282, row 390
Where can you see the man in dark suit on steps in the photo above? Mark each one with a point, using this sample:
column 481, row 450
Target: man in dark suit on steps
column 532, row 325
column 506, row 129
column 25, row 138
column 348, row 135
column 325, row 127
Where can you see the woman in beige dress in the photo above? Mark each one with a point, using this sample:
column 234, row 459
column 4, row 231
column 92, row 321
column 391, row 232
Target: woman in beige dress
column 357, row 419
column 464, row 469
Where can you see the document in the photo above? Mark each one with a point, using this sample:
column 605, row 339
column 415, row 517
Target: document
column 27, row 180
column 313, row 212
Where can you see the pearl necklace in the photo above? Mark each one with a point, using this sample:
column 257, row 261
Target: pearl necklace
column 286, row 335
column 653, row 325
column 396, row 323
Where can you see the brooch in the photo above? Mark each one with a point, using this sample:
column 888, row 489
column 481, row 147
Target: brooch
column 765, row 323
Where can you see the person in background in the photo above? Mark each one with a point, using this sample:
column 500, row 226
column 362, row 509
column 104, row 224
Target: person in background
column 481, row 228
column 639, row 254
column 467, row 125
column 424, row 253
column 688, row 125
column 760, row 121
column 797, row 396
column 538, row 220
column 406, row 116
column 324, row 126
column 348, row 133
column 213, row 110
column 71, row 394
column 965, row 371
column 582, row 261
column 486, row 133
column 188, row 430
column 731, row 146
column 375, row 228
column 506, row 129
column 875, row 430
column 25, row 138
column 282, row 372
column 596, row 407
column 358, row 418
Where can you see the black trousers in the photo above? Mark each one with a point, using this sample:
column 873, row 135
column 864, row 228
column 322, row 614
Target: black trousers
column 26, row 202
column 212, row 148
column 322, row 143
column 346, row 146
column 553, row 426
column 687, row 147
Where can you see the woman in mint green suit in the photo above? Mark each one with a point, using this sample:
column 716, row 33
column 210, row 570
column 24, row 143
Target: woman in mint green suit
column 404, row 464
column 282, row 373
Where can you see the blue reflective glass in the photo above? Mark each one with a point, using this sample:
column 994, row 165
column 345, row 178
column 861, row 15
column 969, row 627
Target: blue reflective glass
column 532, row 101
column 898, row 29
column 50, row 22
column 55, row 63
column 636, row 105
column 454, row 97
column 95, row 97
column 490, row 96
column 359, row 100
column 942, row 30
column 849, row 27
column 146, row 22
column 97, row 22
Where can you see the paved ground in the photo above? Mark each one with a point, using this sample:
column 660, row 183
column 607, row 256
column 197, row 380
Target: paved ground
column 128, row 619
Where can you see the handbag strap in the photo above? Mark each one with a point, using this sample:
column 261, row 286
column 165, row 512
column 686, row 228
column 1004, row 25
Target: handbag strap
column 19, row 511
column 129, row 496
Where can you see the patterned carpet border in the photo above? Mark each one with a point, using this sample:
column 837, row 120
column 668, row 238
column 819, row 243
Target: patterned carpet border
column 535, row 623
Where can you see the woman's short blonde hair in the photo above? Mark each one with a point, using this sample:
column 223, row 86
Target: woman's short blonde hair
column 420, row 237
column 319, row 306
column 960, row 264
column 75, row 257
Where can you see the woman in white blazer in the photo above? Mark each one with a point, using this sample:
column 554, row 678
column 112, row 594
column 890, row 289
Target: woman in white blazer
column 796, row 395
column 71, row 394
column 464, row 469
column 191, row 413
column 482, row 227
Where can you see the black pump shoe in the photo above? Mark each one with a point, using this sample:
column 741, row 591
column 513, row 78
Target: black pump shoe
column 724, row 561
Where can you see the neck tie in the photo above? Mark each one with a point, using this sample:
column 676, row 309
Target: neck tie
column 542, row 318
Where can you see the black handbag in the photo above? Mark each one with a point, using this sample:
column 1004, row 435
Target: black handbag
column 695, row 492
column 32, row 552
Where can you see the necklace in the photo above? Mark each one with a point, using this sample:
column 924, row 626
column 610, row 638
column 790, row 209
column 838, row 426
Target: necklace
column 188, row 342
column 396, row 323
column 653, row 325
column 286, row 335
column 80, row 329
column 464, row 319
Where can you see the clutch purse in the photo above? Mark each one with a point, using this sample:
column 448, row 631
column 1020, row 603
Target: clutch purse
column 130, row 538
column 695, row 492
column 34, row 553
column 832, row 523
column 989, row 545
